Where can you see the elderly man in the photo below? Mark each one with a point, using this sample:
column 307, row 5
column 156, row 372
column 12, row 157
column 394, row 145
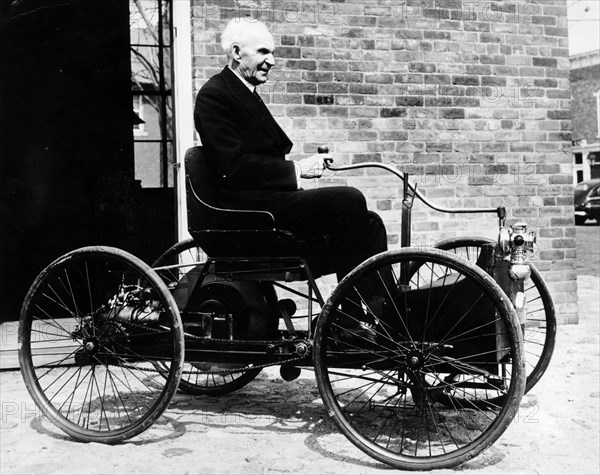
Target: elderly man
column 245, row 151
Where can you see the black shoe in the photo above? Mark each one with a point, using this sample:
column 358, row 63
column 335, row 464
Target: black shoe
column 361, row 334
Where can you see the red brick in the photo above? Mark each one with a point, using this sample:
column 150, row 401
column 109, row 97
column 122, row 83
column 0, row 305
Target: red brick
column 332, row 87
column 288, row 52
column 393, row 112
column 305, row 65
column 316, row 76
column 294, row 111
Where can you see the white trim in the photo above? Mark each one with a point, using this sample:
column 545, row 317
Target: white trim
column 183, row 103
column 585, row 150
column 586, row 147
column 583, row 60
column 597, row 96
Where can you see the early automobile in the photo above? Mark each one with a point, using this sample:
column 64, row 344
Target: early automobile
column 105, row 340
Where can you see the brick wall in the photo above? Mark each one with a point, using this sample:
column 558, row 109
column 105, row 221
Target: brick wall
column 471, row 97
column 584, row 84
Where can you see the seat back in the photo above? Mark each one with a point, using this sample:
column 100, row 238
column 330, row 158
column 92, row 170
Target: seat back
column 227, row 232
column 202, row 201
column 199, row 191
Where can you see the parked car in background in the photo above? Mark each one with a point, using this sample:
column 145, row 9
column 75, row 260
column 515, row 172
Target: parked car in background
column 587, row 201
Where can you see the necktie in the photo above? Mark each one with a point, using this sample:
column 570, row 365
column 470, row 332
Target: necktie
column 269, row 117
column 264, row 106
column 257, row 95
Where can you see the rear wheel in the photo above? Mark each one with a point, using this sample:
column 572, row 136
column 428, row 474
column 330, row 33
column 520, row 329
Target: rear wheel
column 389, row 357
column 178, row 260
column 540, row 326
column 93, row 327
column 185, row 260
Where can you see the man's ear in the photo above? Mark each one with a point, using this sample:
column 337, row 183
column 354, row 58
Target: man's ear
column 236, row 52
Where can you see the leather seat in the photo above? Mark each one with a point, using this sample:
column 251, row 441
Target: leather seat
column 238, row 241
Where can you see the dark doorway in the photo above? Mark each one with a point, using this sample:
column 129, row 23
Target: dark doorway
column 67, row 171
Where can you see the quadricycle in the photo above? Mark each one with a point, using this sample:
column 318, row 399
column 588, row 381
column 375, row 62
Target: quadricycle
column 458, row 332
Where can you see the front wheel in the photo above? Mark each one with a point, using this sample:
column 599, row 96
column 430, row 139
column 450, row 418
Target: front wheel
column 393, row 346
column 539, row 330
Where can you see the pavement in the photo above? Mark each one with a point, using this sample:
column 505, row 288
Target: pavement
column 273, row 426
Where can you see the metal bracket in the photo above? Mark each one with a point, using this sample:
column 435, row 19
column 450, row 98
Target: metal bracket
column 407, row 204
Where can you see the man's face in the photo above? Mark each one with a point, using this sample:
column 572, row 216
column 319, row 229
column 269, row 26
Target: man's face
column 255, row 57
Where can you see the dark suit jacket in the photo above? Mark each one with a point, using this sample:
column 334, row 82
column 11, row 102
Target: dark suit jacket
column 245, row 148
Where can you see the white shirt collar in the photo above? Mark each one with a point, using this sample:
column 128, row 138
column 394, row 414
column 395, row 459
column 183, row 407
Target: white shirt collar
column 252, row 87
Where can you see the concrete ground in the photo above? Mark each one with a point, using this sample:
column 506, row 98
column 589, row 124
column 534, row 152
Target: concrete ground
column 272, row 426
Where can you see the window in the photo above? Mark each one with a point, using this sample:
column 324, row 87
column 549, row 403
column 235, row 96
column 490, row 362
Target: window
column 139, row 128
column 578, row 158
column 579, row 176
column 152, row 94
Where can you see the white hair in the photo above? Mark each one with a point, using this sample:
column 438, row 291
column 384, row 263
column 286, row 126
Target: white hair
column 241, row 30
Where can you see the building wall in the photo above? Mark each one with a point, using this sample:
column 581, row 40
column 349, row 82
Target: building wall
column 585, row 82
column 470, row 97
column 585, row 87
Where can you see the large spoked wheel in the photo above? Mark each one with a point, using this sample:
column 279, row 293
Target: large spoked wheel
column 179, row 260
column 540, row 326
column 198, row 378
column 393, row 347
column 93, row 325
